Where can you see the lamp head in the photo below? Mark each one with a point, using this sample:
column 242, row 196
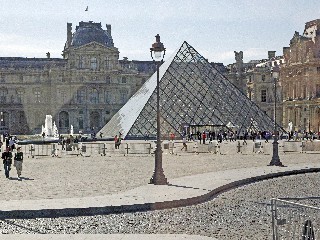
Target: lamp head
column 275, row 72
column 157, row 49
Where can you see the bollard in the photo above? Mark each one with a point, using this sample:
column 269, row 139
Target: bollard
column 32, row 149
column 239, row 147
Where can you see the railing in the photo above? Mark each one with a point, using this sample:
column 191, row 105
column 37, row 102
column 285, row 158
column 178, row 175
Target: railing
column 292, row 220
column 85, row 149
column 172, row 147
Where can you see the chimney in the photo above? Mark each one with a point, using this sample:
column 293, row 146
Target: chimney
column 108, row 26
column 69, row 33
column 271, row 54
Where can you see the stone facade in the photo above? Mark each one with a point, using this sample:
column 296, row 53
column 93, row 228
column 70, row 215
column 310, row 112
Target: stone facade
column 84, row 89
column 300, row 79
column 254, row 78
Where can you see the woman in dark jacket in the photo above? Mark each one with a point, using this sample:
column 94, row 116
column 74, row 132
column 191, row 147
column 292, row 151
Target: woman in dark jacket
column 7, row 161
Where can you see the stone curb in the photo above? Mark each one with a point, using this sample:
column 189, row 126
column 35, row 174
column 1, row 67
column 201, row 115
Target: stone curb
column 73, row 212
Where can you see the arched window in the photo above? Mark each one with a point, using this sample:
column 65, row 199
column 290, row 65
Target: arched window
column 124, row 80
column 95, row 120
column 64, row 119
column 38, row 119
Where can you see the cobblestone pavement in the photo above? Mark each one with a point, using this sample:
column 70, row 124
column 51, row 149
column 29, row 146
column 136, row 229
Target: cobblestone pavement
column 241, row 213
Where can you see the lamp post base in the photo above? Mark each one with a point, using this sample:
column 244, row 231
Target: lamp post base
column 158, row 177
column 275, row 161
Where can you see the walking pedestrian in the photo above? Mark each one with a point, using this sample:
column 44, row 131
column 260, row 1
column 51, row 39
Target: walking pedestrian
column 18, row 159
column 7, row 161
column 184, row 143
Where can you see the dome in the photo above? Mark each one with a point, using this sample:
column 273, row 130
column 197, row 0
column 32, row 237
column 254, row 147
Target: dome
column 88, row 32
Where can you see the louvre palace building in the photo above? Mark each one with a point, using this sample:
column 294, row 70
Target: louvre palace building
column 84, row 88
column 298, row 84
column 89, row 84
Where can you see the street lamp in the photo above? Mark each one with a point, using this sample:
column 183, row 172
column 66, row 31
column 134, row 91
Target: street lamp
column 157, row 52
column 275, row 161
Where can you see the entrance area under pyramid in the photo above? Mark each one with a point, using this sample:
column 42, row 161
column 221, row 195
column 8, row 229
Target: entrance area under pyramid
column 193, row 94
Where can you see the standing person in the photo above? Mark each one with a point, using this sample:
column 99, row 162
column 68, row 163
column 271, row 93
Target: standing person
column 116, row 142
column 204, row 136
column 7, row 161
column 245, row 136
column 18, row 159
column 11, row 143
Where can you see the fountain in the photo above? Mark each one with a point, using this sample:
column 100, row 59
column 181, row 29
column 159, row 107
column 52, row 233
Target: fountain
column 49, row 133
column 55, row 130
column 49, row 130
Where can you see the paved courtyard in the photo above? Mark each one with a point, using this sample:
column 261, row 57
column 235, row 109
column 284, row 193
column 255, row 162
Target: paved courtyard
column 77, row 176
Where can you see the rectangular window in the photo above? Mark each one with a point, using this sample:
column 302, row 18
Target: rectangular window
column 263, row 77
column 123, row 96
column 3, row 96
column 81, row 62
column 108, row 63
column 304, row 92
column 37, row 96
column 263, row 95
column 108, row 80
column 318, row 69
column 80, row 123
column 94, row 96
column 93, row 63
column 107, row 96
column 20, row 97
column 81, row 96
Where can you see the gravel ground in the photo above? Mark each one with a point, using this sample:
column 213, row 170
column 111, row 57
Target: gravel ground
column 241, row 213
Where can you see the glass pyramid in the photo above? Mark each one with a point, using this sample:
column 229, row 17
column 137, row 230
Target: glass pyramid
column 192, row 93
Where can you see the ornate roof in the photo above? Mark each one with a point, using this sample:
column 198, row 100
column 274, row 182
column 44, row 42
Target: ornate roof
column 88, row 32
column 36, row 63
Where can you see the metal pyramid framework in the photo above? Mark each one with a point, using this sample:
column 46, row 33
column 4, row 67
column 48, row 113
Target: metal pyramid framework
column 192, row 93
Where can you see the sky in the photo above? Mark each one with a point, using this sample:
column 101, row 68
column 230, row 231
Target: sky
column 214, row 28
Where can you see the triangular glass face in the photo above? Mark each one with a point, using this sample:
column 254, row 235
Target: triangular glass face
column 192, row 94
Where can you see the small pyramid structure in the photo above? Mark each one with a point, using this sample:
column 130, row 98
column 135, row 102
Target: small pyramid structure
column 192, row 93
